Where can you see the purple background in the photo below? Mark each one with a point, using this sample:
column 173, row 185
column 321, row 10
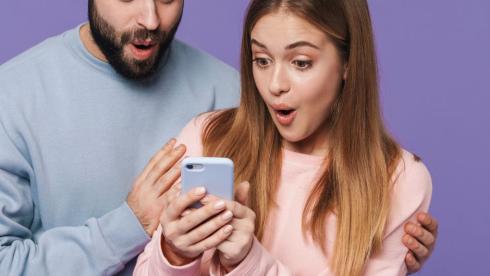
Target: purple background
column 435, row 73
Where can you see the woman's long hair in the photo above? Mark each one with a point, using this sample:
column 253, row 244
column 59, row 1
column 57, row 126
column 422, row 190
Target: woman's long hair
column 355, row 183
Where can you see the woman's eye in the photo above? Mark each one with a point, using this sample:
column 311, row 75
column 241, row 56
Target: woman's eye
column 261, row 62
column 303, row 64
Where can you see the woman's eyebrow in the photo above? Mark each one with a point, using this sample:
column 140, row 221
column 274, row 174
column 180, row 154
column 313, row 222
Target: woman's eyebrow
column 254, row 41
column 301, row 44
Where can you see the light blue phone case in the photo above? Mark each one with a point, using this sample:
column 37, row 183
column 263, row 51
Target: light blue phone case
column 214, row 173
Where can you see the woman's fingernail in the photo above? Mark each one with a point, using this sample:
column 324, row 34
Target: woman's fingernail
column 219, row 205
column 199, row 191
column 227, row 215
column 228, row 229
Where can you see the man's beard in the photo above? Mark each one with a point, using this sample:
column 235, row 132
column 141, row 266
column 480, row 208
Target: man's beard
column 113, row 47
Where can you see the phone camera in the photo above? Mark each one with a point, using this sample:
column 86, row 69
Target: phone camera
column 189, row 166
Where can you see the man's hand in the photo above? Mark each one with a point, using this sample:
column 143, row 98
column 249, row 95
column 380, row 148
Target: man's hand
column 420, row 240
column 145, row 198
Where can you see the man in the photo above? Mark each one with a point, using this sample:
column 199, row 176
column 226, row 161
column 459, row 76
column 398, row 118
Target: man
column 80, row 115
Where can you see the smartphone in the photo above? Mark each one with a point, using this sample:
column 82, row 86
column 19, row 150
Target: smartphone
column 213, row 173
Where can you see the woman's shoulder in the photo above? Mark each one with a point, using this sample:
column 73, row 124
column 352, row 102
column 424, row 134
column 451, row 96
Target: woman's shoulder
column 198, row 123
column 411, row 167
column 191, row 134
column 411, row 192
column 412, row 180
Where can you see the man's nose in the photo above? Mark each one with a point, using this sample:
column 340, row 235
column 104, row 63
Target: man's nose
column 148, row 15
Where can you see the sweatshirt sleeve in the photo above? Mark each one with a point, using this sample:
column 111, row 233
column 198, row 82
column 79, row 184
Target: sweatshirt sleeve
column 101, row 246
column 153, row 262
column 258, row 262
column 411, row 194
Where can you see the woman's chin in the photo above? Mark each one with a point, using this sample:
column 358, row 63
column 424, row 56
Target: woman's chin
column 291, row 137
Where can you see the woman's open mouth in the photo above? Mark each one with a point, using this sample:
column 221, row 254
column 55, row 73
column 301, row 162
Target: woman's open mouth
column 285, row 115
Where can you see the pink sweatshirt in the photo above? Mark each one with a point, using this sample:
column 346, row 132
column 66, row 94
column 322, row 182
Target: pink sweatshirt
column 284, row 251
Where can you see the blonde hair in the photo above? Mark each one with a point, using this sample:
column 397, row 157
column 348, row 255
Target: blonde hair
column 355, row 183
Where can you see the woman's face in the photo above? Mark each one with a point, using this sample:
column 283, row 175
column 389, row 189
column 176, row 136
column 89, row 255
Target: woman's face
column 298, row 72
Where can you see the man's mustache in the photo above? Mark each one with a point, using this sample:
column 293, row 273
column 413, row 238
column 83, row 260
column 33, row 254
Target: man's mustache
column 155, row 36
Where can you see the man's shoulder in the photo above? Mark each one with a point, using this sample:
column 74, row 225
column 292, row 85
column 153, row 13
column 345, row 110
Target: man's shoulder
column 200, row 60
column 38, row 54
column 204, row 72
column 23, row 74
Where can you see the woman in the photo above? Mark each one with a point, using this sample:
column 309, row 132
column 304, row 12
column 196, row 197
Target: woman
column 330, row 189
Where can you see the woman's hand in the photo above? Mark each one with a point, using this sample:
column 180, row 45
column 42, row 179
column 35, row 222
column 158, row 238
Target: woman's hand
column 185, row 238
column 235, row 248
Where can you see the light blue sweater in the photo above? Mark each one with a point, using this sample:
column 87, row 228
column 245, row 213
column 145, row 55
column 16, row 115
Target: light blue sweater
column 73, row 137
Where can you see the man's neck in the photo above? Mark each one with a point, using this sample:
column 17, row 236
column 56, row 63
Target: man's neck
column 89, row 43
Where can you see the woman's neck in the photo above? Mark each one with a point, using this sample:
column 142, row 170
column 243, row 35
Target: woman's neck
column 317, row 144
